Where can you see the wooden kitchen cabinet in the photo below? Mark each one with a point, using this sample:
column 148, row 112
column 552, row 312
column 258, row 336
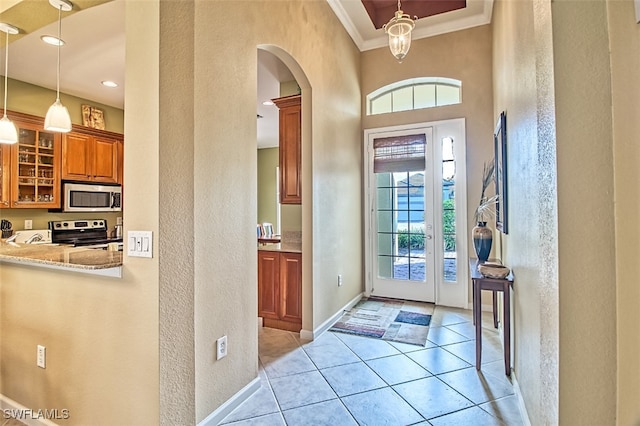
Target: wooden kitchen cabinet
column 290, row 147
column 5, row 175
column 34, row 164
column 91, row 158
column 280, row 289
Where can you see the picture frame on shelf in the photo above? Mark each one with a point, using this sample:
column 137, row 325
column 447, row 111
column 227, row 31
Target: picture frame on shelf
column 92, row 117
column 500, row 146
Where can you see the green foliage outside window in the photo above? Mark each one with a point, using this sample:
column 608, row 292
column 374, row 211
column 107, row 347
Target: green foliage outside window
column 449, row 225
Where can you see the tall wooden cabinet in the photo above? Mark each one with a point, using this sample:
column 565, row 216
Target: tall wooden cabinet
column 280, row 289
column 290, row 146
column 91, row 158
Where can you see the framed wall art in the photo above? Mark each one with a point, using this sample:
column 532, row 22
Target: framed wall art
column 92, row 117
column 500, row 144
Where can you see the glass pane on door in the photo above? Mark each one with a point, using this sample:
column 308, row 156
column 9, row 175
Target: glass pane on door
column 400, row 207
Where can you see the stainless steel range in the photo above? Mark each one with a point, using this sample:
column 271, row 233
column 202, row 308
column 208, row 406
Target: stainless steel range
column 90, row 233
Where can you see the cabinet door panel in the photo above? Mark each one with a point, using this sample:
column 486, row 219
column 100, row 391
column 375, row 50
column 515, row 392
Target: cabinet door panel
column 76, row 149
column 268, row 284
column 291, row 286
column 290, row 144
column 5, row 175
column 105, row 160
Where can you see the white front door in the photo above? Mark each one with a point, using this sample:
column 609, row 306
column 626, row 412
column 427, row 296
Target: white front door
column 401, row 206
column 416, row 213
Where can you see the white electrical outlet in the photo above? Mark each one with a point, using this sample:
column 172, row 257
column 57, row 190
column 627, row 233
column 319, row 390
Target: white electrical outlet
column 339, row 280
column 42, row 356
column 221, row 347
column 28, row 224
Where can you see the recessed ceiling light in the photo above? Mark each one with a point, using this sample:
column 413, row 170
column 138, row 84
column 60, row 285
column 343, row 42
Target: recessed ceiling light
column 268, row 103
column 109, row 83
column 54, row 41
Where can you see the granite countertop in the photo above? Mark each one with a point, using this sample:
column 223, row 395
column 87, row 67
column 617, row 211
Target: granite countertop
column 289, row 247
column 60, row 256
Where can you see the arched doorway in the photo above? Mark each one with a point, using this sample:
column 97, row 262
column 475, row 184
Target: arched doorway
column 304, row 209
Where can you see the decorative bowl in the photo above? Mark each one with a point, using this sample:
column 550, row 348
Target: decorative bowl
column 493, row 270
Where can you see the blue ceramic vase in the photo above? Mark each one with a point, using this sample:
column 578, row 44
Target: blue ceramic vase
column 482, row 240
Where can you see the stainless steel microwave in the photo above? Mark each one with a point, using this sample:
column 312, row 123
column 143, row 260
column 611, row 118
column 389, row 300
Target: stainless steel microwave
column 85, row 197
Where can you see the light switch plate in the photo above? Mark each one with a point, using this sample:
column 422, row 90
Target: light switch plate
column 140, row 243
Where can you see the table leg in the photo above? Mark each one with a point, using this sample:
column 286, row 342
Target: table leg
column 477, row 314
column 495, row 309
column 507, row 329
column 473, row 297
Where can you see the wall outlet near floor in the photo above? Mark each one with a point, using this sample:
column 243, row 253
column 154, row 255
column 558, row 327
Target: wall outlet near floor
column 41, row 358
column 28, row 224
column 221, row 347
column 339, row 280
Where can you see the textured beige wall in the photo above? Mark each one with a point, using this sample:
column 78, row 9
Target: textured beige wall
column 551, row 74
column 463, row 55
column 523, row 88
column 585, row 184
column 624, row 36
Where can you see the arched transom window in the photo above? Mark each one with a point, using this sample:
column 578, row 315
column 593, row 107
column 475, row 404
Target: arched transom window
column 415, row 93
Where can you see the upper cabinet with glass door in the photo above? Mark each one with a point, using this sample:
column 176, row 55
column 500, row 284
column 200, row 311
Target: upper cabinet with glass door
column 35, row 168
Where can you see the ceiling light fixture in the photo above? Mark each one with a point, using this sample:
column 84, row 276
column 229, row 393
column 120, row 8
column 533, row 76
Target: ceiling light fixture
column 268, row 103
column 52, row 40
column 8, row 132
column 57, row 118
column 109, row 83
column 399, row 29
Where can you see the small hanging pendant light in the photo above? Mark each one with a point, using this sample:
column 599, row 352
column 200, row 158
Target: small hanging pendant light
column 57, row 118
column 399, row 29
column 8, row 132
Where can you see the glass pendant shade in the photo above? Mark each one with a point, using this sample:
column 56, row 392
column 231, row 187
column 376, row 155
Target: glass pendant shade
column 57, row 118
column 399, row 30
column 8, row 132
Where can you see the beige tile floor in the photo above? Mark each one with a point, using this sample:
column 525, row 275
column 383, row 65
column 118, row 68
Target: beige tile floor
column 340, row 379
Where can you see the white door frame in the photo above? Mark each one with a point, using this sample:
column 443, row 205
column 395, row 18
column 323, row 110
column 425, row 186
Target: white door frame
column 448, row 293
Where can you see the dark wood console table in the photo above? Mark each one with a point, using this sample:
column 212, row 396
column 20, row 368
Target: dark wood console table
column 479, row 283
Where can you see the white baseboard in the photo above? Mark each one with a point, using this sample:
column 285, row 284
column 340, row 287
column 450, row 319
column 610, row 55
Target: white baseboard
column 312, row 335
column 231, row 404
column 30, row 417
column 523, row 409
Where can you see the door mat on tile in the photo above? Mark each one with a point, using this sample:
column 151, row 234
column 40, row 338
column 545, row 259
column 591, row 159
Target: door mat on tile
column 388, row 319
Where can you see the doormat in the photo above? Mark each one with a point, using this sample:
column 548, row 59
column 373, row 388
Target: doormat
column 388, row 319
